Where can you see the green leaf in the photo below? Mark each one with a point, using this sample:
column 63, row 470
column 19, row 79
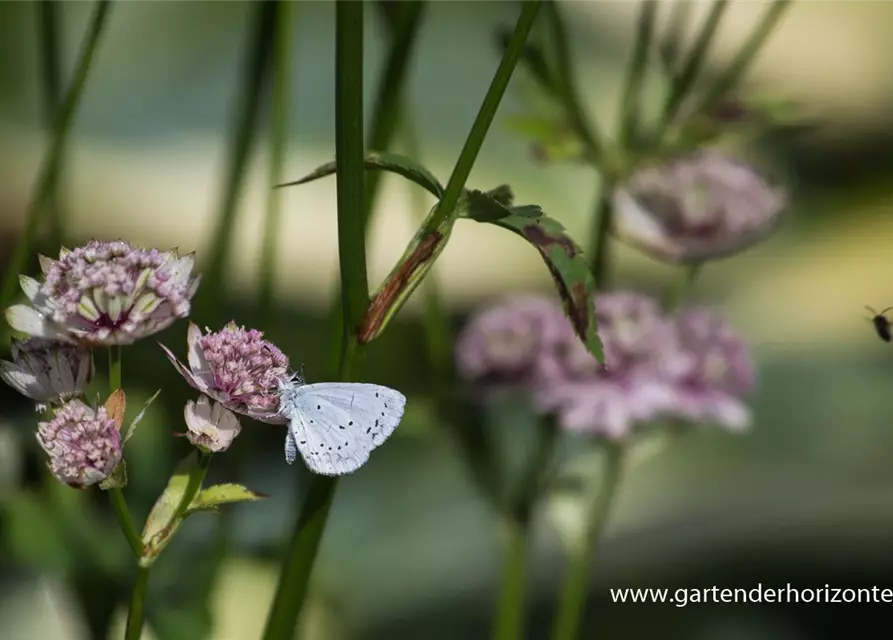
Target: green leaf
column 118, row 479
column 212, row 497
column 161, row 523
column 562, row 256
column 132, row 426
column 386, row 161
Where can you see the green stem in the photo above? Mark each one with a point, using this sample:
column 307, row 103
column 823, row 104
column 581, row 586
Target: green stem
column 574, row 588
column 116, row 495
column 601, row 228
column 299, row 559
column 677, row 295
column 119, row 505
column 510, row 606
column 693, row 63
column 736, row 70
column 278, row 140
column 52, row 162
column 136, row 613
column 630, row 103
column 485, row 116
column 566, row 86
column 244, row 133
column 676, row 23
column 51, row 75
column 404, row 27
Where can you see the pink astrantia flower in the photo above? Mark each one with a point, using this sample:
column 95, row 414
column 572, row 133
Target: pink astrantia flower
column 106, row 293
column 504, row 345
column 722, row 374
column 83, row 444
column 237, row 368
column 656, row 367
column 698, row 207
column 47, row 371
column 643, row 358
column 210, row 426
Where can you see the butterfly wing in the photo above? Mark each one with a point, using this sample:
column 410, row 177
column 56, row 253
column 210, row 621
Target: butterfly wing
column 337, row 424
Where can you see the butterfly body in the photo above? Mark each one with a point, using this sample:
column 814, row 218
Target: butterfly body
column 336, row 425
column 881, row 324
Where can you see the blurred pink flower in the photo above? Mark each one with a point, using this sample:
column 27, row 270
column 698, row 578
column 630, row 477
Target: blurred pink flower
column 105, row 293
column 697, row 207
column 83, row 444
column 721, row 373
column 237, row 368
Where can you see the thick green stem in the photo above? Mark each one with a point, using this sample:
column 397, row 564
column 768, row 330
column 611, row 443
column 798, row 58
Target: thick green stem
column 601, row 228
column 299, row 559
column 278, row 130
column 485, row 116
column 510, row 606
column 119, row 505
column 574, row 588
column 567, row 87
column 136, row 613
column 736, row 70
column 257, row 65
column 52, row 162
column 689, row 73
column 51, row 76
column 404, row 24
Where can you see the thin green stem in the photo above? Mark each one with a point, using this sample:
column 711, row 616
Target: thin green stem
column 51, row 76
column 52, row 162
column 301, row 554
column 510, row 605
column 119, row 505
column 136, row 613
column 569, row 95
column 672, row 41
column 632, row 90
column 689, row 73
column 574, row 588
column 601, row 228
column 742, row 61
column 278, row 130
column 255, row 73
column 677, row 294
column 485, row 116
column 115, row 361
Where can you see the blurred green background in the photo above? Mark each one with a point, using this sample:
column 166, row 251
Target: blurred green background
column 805, row 498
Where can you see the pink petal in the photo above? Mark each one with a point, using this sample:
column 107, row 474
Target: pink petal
column 195, row 354
column 198, row 383
column 30, row 286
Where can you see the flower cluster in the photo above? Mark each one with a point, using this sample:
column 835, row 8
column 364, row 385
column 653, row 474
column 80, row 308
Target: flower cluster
column 83, row 444
column 106, row 293
column 698, row 207
column 237, row 368
column 47, row 371
column 689, row 367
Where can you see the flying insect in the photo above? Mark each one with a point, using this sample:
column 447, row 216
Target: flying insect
column 881, row 324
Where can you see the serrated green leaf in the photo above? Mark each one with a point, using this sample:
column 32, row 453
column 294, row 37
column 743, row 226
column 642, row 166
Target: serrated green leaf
column 562, row 256
column 162, row 521
column 212, row 497
column 386, row 161
column 132, row 426
column 118, row 479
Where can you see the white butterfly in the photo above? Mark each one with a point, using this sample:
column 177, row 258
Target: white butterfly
column 335, row 425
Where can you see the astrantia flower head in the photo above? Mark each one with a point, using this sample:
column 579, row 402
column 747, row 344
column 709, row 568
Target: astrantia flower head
column 643, row 358
column 503, row 345
column 697, row 207
column 210, row 426
column 237, row 368
column 84, row 445
column 47, row 371
column 106, row 293
column 721, row 373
